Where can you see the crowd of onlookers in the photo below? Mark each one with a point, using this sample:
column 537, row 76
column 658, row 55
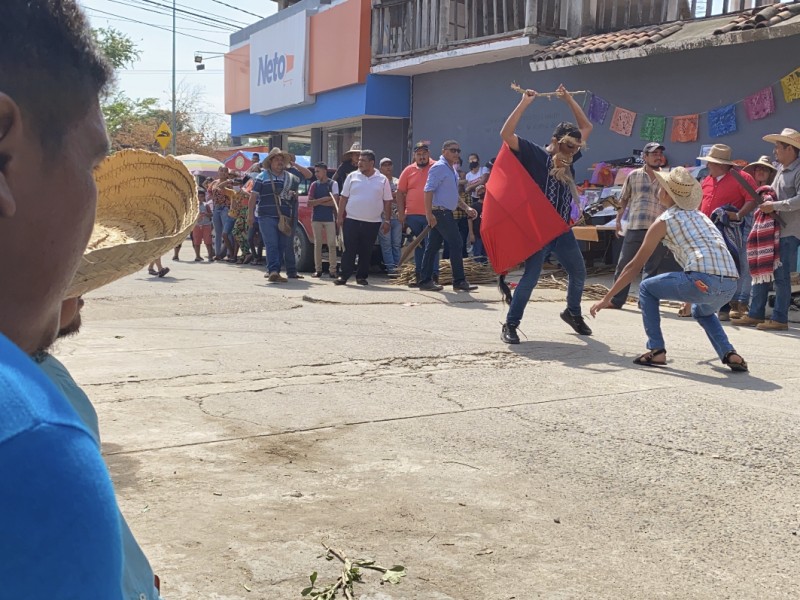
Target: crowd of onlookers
column 228, row 227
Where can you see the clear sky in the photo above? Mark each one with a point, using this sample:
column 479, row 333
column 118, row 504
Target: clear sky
column 210, row 23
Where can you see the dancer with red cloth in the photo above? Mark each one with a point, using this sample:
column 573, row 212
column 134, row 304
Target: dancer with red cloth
column 544, row 191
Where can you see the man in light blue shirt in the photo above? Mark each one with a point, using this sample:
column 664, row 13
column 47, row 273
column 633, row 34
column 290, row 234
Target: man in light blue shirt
column 441, row 199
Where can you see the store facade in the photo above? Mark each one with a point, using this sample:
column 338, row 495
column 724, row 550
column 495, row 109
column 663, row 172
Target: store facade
column 303, row 74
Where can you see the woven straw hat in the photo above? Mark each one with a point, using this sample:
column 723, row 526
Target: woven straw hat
column 720, row 154
column 787, row 136
column 354, row 149
column 273, row 153
column 146, row 204
column 764, row 161
column 681, row 187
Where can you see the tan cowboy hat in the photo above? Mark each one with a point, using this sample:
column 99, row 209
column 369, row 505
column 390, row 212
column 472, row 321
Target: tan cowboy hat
column 146, row 205
column 354, row 149
column 276, row 152
column 787, row 136
column 720, row 154
column 764, row 161
column 681, row 187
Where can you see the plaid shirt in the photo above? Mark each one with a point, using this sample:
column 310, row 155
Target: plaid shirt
column 458, row 213
column 641, row 195
column 697, row 243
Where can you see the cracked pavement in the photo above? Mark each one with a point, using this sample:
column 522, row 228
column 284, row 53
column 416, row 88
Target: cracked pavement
column 244, row 423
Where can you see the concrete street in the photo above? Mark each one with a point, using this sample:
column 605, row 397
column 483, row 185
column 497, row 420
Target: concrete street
column 245, row 423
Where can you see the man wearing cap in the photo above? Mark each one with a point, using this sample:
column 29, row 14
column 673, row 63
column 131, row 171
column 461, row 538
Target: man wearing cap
column 272, row 197
column 786, row 203
column 411, row 203
column 640, row 199
column 722, row 188
column 59, row 520
column 365, row 201
column 390, row 241
column 441, row 199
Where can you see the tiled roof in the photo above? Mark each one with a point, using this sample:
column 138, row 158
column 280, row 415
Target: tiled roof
column 603, row 42
column 763, row 16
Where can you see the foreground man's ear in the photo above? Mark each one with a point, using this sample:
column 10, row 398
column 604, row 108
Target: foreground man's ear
column 10, row 131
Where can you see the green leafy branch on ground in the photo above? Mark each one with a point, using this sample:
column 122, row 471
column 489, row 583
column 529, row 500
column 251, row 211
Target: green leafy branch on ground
column 351, row 573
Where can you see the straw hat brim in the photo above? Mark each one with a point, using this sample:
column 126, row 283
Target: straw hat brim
column 145, row 206
column 752, row 166
column 777, row 137
column 719, row 161
column 286, row 156
column 691, row 202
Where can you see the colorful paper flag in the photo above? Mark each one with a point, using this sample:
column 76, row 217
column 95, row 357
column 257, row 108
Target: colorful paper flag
column 791, row 86
column 722, row 121
column 684, row 128
column 760, row 105
column 598, row 109
column 653, row 128
column 622, row 121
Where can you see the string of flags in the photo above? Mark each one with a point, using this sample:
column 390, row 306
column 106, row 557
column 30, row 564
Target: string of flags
column 721, row 121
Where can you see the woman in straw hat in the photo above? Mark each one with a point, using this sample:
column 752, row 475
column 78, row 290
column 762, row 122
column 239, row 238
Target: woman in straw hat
column 708, row 280
column 785, row 200
column 762, row 171
column 348, row 165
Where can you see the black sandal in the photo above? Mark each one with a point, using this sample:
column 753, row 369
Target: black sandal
column 736, row 367
column 646, row 359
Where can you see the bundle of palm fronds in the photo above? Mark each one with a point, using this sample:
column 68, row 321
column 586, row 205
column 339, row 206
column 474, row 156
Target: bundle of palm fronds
column 475, row 272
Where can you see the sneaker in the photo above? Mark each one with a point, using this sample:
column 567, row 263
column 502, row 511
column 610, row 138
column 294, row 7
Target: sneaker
column 317, row 274
column 747, row 321
column 509, row 334
column 577, row 323
column 724, row 316
column 772, row 326
column 152, row 271
column 331, row 275
column 362, row 282
column 339, row 281
column 163, row 271
column 464, row 286
column 739, row 310
column 295, row 276
column 430, row 286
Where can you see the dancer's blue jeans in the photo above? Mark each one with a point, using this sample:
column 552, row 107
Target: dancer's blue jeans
column 686, row 287
column 566, row 249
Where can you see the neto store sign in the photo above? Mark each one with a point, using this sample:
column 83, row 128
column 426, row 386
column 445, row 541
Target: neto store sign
column 278, row 65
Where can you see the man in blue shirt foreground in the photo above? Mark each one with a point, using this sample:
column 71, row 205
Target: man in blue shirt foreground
column 441, row 199
column 59, row 521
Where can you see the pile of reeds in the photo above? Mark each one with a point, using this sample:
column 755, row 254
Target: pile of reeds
column 475, row 272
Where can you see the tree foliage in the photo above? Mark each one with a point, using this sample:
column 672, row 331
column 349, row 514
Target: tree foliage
column 132, row 122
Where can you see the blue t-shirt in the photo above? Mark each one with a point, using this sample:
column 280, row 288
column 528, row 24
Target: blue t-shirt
column 138, row 582
column 538, row 162
column 323, row 214
column 59, row 520
column 263, row 186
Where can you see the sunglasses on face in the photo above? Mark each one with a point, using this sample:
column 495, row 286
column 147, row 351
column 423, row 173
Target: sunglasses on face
column 455, row 150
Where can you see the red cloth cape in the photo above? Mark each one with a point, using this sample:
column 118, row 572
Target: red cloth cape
column 517, row 219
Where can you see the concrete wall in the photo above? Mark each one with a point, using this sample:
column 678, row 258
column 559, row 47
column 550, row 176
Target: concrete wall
column 472, row 104
column 387, row 137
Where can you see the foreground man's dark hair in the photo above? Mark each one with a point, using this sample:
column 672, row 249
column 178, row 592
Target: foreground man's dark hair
column 49, row 64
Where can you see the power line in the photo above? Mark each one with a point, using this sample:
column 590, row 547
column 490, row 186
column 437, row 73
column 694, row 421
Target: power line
column 237, row 8
column 150, row 11
column 190, row 15
column 121, row 17
column 216, row 31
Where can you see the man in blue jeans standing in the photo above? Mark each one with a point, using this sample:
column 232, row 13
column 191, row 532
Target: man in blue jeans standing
column 551, row 167
column 441, row 199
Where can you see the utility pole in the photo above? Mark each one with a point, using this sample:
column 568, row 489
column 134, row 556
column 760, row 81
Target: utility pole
column 174, row 128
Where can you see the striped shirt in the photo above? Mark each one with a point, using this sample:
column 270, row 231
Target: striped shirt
column 697, row 243
column 641, row 195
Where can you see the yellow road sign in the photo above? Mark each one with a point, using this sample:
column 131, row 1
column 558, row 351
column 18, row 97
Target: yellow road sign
column 163, row 135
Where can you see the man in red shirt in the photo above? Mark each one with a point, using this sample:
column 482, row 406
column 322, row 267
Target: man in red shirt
column 411, row 203
column 721, row 188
